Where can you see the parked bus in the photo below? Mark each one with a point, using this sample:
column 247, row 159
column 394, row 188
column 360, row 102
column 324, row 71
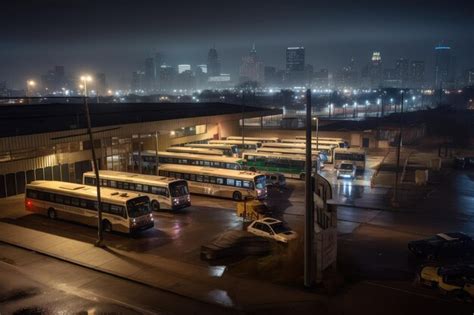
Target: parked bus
column 258, row 139
column 164, row 193
column 336, row 143
column 326, row 150
column 200, row 160
column 302, row 152
column 248, row 145
column 204, row 151
column 218, row 182
column 292, row 166
column 354, row 155
column 342, row 143
column 227, row 149
column 125, row 212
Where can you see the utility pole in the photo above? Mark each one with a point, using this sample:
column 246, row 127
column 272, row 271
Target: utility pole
column 98, row 243
column 243, row 119
column 156, row 152
column 309, row 215
column 399, row 144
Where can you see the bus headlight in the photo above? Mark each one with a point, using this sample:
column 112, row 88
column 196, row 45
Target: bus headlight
column 176, row 201
column 134, row 221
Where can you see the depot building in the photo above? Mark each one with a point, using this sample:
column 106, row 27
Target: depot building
column 51, row 142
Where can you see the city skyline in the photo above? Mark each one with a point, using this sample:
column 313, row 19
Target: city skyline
column 116, row 44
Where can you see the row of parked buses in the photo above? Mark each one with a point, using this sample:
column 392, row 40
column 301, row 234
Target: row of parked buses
column 268, row 155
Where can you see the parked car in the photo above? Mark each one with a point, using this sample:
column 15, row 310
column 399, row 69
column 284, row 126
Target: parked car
column 464, row 162
column 276, row 179
column 235, row 244
column 443, row 246
column 457, row 280
column 272, row 228
column 346, row 170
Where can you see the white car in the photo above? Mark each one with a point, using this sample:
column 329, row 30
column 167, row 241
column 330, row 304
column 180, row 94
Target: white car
column 346, row 170
column 272, row 228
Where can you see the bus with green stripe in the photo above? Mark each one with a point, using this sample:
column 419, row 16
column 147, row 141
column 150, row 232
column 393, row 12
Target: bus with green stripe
column 292, row 166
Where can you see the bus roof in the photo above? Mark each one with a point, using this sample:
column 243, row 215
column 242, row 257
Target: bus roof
column 240, row 174
column 294, row 145
column 196, row 150
column 134, row 178
column 79, row 190
column 237, row 142
column 258, row 139
column 211, row 145
column 301, row 151
column 350, row 150
column 313, row 141
column 193, row 156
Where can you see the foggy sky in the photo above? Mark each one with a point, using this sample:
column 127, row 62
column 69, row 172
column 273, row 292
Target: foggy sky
column 115, row 36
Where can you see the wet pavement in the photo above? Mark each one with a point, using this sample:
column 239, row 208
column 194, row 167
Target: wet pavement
column 372, row 253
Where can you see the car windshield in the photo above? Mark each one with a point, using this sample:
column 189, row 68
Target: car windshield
column 260, row 182
column 138, row 206
column 280, row 227
column 346, row 167
column 178, row 189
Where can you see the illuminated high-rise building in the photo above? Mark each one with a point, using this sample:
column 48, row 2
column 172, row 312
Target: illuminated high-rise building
column 183, row 67
column 213, row 64
column 251, row 68
column 417, row 74
column 375, row 70
column 150, row 74
column 444, row 67
column 295, row 65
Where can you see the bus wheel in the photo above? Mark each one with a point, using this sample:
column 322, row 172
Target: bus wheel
column 252, row 169
column 302, row 176
column 155, row 205
column 106, row 226
column 52, row 214
column 237, row 196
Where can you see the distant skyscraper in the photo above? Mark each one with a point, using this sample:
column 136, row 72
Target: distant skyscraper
column 295, row 64
column 183, row 67
column 150, row 74
column 375, row 70
column 3, row 88
column 167, row 77
column 213, row 64
column 269, row 74
column 252, row 68
column 417, row 74
column 55, row 80
column 137, row 84
column 101, row 84
column 402, row 69
column 321, row 79
column 444, row 68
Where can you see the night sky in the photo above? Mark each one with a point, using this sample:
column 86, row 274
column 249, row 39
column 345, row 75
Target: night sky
column 115, row 36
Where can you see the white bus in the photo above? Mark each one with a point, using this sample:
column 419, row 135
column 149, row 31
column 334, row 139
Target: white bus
column 164, row 193
column 218, row 182
column 354, row 155
column 248, row 145
column 227, row 149
column 200, row 160
column 292, row 166
column 121, row 211
column 204, row 151
column 302, row 152
column 327, row 151
column 342, row 143
column 258, row 139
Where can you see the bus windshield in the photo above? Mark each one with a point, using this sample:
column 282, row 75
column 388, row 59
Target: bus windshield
column 260, row 182
column 178, row 189
column 138, row 206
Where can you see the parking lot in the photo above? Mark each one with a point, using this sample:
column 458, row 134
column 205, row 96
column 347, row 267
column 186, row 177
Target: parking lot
column 372, row 252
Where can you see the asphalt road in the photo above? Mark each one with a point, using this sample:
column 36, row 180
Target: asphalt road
column 372, row 256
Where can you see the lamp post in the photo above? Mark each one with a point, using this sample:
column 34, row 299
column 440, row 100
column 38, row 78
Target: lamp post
column 309, row 215
column 30, row 84
column 399, row 144
column 85, row 79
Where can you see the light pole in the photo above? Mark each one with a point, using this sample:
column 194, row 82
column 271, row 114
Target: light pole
column 85, row 79
column 399, row 144
column 30, row 84
column 309, row 215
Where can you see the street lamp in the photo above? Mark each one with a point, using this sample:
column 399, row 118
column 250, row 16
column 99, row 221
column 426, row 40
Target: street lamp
column 85, row 79
column 30, row 84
